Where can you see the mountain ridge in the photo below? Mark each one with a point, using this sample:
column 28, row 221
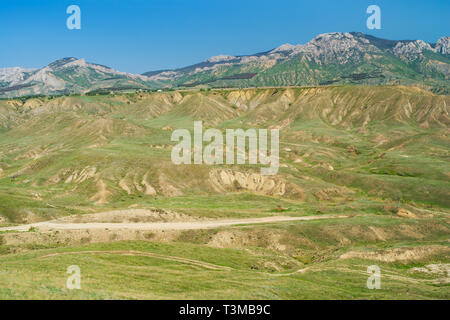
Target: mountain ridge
column 330, row 58
column 337, row 50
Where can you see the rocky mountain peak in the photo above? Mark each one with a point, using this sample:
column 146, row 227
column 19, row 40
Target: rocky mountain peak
column 443, row 45
column 284, row 47
column 220, row 58
column 61, row 62
column 14, row 75
column 411, row 49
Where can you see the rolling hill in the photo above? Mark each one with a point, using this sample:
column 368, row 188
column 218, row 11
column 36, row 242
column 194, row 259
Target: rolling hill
column 378, row 141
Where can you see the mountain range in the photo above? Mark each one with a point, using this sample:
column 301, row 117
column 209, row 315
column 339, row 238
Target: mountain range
column 328, row 59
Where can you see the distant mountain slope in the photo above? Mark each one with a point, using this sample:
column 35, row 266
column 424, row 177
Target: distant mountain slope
column 327, row 59
column 332, row 58
column 65, row 76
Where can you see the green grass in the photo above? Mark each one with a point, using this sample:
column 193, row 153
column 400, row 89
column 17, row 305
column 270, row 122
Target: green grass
column 106, row 276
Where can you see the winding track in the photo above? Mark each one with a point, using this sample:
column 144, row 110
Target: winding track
column 55, row 225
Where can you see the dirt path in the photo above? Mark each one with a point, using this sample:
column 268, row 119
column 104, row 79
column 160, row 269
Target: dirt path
column 197, row 263
column 55, row 225
column 193, row 262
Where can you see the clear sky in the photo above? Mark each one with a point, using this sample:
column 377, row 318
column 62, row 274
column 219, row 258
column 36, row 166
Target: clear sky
column 143, row 35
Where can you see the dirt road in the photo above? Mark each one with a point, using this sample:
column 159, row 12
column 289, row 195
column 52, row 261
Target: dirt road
column 56, row 225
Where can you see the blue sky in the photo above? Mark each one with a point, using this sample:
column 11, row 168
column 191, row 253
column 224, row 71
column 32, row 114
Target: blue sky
column 142, row 35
